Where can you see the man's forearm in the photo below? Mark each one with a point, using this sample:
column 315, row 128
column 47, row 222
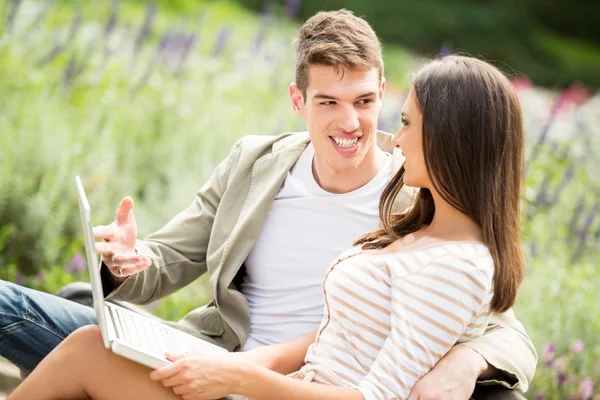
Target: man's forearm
column 482, row 370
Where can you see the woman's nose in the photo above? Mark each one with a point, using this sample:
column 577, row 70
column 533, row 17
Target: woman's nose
column 396, row 139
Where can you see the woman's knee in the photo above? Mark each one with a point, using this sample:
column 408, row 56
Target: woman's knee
column 85, row 337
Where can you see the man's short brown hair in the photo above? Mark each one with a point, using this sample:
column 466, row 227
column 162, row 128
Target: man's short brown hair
column 338, row 39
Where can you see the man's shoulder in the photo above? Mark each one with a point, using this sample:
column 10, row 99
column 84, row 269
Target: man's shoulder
column 252, row 147
column 280, row 141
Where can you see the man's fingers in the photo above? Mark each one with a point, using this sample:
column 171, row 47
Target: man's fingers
column 128, row 260
column 124, row 210
column 106, row 232
column 130, row 269
column 104, row 248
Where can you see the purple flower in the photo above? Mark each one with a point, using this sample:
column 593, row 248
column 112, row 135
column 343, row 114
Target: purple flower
column 542, row 195
column 577, row 346
column 576, row 214
column 11, row 13
column 69, row 71
column 77, row 264
column 292, row 7
column 221, row 41
column 539, row 397
column 112, row 19
column 19, row 279
column 153, row 304
column 146, row 26
column 546, row 128
column 587, row 388
column 41, row 278
column 445, row 50
column 75, row 24
column 259, row 39
column 561, row 378
column 548, row 352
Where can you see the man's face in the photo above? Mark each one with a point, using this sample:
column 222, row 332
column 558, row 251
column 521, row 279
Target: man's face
column 341, row 111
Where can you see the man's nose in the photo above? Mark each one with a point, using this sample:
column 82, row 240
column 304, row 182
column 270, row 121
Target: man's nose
column 348, row 120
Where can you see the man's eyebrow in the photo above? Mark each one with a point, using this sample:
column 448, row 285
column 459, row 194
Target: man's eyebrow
column 328, row 97
column 368, row 94
column 324, row 96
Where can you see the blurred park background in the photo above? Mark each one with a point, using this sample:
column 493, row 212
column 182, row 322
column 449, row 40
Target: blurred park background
column 145, row 98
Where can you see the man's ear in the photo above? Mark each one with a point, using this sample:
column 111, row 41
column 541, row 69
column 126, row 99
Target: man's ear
column 297, row 98
column 382, row 90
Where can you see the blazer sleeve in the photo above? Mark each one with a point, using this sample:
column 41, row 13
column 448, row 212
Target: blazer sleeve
column 180, row 247
column 506, row 346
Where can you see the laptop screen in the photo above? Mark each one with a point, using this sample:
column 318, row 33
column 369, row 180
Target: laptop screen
column 92, row 260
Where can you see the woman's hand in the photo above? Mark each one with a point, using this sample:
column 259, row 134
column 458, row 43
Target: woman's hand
column 201, row 377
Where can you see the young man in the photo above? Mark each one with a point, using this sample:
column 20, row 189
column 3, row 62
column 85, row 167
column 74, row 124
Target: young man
column 266, row 226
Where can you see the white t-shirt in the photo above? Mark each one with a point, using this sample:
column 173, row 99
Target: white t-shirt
column 305, row 230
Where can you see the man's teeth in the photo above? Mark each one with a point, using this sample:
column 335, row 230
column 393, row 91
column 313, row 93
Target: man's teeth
column 345, row 143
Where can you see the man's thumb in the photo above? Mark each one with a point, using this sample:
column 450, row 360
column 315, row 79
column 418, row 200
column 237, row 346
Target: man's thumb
column 125, row 210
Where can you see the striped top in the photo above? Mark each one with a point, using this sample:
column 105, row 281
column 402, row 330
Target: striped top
column 390, row 317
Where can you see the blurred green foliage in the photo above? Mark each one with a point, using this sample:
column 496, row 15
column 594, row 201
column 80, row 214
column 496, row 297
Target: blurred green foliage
column 145, row 101
column 511, row 33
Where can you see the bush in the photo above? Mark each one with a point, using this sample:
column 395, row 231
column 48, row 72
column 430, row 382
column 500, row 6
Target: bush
column 501, row 31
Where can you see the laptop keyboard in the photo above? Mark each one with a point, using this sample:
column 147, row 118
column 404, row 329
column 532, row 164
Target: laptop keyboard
column 152, row 336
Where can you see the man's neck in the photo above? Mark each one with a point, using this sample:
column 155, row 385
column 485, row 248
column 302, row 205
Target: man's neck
column 345, row 181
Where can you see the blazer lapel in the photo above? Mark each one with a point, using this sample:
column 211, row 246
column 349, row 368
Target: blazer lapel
column 268, row 174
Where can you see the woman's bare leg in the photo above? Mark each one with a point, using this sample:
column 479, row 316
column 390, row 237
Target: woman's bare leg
column 81, row 368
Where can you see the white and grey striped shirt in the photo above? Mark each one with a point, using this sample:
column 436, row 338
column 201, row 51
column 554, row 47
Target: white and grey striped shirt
column 389, row 318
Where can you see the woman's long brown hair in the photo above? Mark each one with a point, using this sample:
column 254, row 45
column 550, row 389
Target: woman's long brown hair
column 473, row 147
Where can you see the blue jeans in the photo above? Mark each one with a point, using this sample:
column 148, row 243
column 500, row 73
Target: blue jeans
column 32, row 323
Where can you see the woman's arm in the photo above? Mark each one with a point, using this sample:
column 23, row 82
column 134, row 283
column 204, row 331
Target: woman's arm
column 283, row 358
column 263, row 384
column 205, row 377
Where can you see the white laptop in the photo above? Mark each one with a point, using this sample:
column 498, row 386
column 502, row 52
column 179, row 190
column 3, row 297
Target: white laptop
column 128, row 334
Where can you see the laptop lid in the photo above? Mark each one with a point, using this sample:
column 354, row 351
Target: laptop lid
column 92, row 260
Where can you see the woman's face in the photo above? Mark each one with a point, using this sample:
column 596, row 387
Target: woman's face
column 409, row 140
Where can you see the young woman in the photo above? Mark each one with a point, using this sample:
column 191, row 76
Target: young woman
column 399, row 300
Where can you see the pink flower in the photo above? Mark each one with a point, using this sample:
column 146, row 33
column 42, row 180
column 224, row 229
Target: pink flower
column 522, row 82
column 587, row 388
column 561, row 364
column 577, row 346
column 576, row 94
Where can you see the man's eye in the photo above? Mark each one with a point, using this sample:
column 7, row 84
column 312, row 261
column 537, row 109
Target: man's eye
column 327, row 103
column 403, row 121
column 365, row 101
